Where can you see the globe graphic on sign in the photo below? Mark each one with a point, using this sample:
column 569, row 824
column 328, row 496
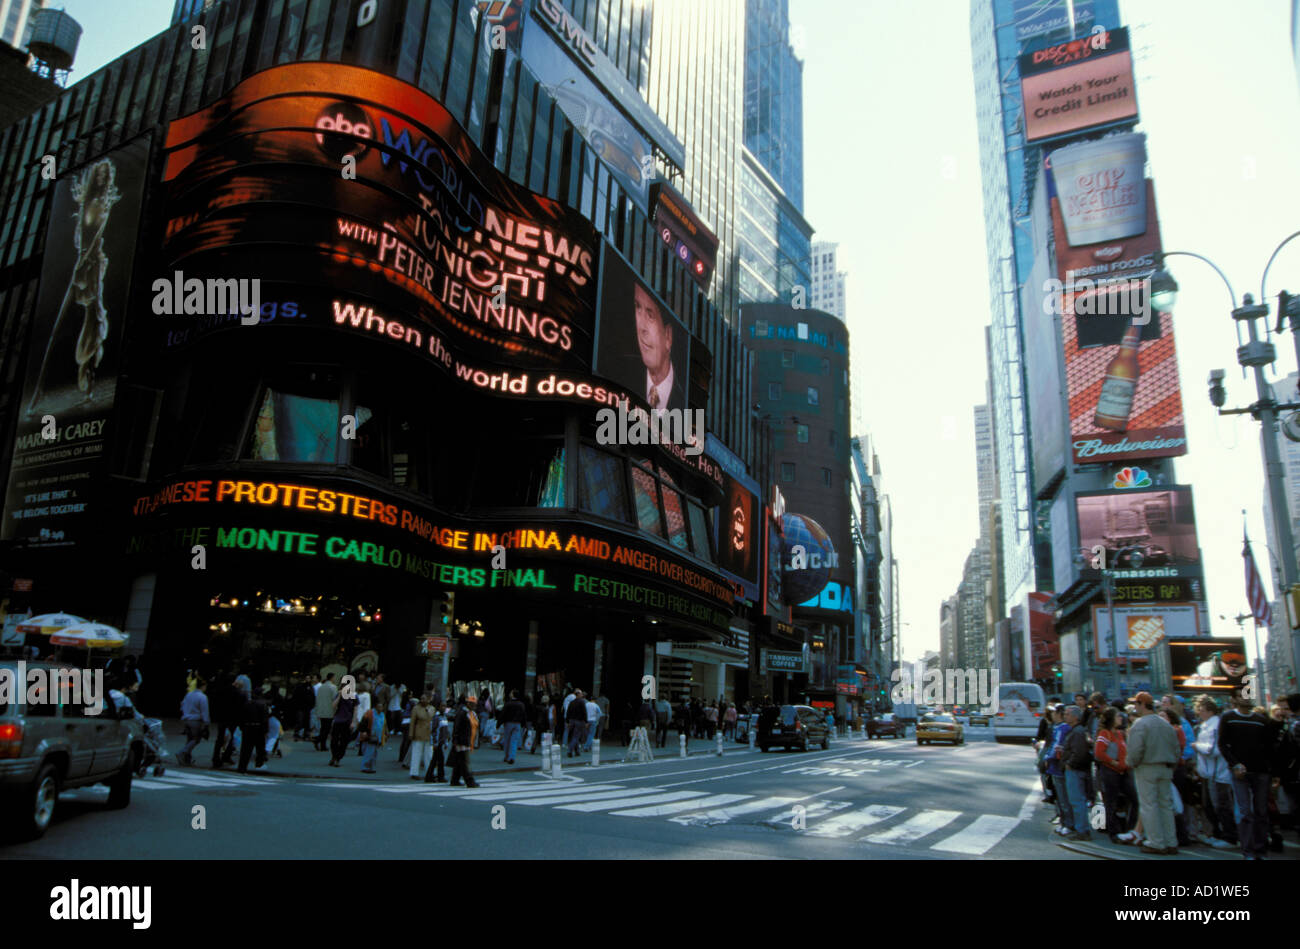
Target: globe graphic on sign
column 802, row 531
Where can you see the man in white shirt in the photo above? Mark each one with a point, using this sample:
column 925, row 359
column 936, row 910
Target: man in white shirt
column 593, row 718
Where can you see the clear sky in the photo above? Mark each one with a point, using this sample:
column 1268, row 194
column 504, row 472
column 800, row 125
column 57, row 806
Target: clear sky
column 892, row 173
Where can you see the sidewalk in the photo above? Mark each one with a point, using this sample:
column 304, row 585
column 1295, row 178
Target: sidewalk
column 300, row 759
column 1101, row 847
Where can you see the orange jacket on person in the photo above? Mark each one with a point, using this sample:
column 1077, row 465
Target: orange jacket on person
column 1111, row 750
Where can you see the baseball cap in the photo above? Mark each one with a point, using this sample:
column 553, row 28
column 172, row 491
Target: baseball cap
column 1232, row 657
column 1144, row 698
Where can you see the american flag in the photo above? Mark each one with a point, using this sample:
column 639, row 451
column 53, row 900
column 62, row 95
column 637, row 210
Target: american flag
column 1259, row 607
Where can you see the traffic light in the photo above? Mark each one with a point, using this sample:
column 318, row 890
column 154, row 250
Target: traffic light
column 447, row 611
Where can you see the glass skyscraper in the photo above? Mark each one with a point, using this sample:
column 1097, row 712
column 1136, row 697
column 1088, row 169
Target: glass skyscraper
column 1000, row 31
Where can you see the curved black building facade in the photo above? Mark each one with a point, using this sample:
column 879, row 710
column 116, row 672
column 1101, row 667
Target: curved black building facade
column 314, row 311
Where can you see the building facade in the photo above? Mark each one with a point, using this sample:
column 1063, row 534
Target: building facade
column 801, row 390
column 296, row 432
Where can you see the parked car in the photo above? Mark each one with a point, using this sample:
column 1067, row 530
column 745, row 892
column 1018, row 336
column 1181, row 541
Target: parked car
column 51, row 746
column 796, row 726
column 978, row 717
column 939, row 727
column 883, row 725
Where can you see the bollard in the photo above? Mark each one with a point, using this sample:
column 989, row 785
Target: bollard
column 719, row 743
column 557, row 768
column 753, row 736
column 682, row 738
column 595, row 752
column 546, row 753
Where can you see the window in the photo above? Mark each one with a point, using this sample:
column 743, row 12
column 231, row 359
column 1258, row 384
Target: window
column 813, row 396
column 676, row 517
column 601, row 488
column 774, row 391
column 826, row 477
column 787, row 358
column 787, row 472
column 803, row 330
column 520, row 473
column 801, row 434
column 699, row 531
column 760, row 329
column 298, row 417
column 646, row 490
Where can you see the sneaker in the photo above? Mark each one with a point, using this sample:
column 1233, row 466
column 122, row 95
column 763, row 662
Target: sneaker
column 1128, row 837
column 1063, row 831
column 1216, row 843
column 260, row 767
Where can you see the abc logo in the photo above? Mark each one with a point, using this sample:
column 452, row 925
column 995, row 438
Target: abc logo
column 341, row 126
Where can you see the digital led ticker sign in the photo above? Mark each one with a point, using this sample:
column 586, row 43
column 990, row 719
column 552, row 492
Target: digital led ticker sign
column 409, row 200
column 409, row 533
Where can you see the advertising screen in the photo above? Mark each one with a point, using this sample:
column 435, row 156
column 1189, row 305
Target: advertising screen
column 1141, row 628
column 1036, row 17
column 1121, row 364
column 1208, row 665
column 738, row 523
column 72, row 364
column 1139, row 529
column 1078, row 84
column 602, row 124
column 387, row 194
column 640, row 344
column 692, row 243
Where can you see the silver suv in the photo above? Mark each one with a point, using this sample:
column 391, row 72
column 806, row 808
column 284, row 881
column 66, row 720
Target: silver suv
column 52, row 746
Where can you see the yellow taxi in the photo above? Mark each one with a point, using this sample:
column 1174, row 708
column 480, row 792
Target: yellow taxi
column 939, row 726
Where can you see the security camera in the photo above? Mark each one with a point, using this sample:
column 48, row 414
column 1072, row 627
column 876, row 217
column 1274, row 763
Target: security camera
column 1218, row 395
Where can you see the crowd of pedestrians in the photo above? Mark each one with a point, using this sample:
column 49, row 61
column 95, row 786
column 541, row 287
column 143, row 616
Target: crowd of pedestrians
column 1160, row 777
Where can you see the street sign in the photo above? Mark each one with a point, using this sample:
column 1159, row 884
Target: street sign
column 433, row 645
column 22, row 585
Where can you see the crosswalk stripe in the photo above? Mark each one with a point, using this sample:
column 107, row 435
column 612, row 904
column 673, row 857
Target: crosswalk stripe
column 926, row 822
column 609, row 805
column 534, row 791
column 153, row 785
column 849, row 823
column 595, row 794
column 980, row 836
column 725, row 814
column 660, row 810
column 815, row 809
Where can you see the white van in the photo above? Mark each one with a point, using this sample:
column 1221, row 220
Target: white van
column 1020, row 709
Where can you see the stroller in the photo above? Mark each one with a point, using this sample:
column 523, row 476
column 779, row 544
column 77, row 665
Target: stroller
column 155, row 747
column 155, row 754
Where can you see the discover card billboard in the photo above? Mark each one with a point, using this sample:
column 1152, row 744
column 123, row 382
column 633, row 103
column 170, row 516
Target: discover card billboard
column 1078, row 84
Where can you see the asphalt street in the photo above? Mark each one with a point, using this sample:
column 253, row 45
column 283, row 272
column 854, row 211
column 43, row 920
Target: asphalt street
column 882, row 799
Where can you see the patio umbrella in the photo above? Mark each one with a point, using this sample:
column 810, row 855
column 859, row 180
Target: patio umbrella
column 47, row 624
column 91, row 636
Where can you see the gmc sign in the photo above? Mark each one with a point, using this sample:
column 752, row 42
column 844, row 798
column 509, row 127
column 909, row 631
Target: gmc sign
column 568, row 29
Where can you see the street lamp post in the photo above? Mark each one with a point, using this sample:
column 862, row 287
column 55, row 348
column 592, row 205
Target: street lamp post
column 1254, row 354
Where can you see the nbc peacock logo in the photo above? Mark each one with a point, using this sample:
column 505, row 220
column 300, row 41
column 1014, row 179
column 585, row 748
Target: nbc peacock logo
column 1132, row 478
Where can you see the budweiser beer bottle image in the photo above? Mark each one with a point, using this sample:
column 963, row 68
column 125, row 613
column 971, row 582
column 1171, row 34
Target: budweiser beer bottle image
column 1117, row 391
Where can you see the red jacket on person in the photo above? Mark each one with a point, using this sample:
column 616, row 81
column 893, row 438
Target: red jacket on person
column 1111, row 750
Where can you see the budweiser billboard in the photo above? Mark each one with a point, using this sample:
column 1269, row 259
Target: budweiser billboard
column 1078, row 84
column 1121, row 366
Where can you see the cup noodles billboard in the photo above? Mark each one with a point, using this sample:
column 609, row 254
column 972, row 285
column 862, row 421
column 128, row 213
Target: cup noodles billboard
column 1121, row 366
column 1078, row 84
column 1102, row 189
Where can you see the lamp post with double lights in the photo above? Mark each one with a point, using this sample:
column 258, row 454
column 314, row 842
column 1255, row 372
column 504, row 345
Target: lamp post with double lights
column 1254, row 354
